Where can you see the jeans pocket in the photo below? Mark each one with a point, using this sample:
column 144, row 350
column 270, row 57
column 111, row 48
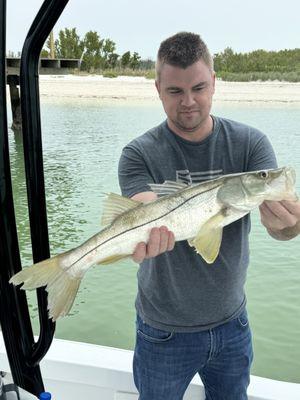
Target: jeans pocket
column 151, row 334
column 243, row 319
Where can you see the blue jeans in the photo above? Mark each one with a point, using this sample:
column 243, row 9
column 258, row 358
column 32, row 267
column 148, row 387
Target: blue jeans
column 165, row 362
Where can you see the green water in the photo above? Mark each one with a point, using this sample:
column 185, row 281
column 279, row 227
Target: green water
column 82, row 141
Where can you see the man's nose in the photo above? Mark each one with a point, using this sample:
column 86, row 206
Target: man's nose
column 188, row 99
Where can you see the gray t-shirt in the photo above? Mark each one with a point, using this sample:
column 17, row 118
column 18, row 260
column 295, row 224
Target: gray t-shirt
column 177, row 290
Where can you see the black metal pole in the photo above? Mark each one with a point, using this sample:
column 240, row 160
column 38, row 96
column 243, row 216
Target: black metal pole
column 23, row 353
column 33, row 153
column 14, row 315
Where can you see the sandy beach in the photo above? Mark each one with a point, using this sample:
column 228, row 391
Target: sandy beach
column 139, row 88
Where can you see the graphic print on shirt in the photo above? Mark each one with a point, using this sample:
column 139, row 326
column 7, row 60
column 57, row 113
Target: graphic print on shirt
column 189, row 178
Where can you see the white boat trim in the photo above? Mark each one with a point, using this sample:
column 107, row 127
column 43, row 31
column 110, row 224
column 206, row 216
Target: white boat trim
column 79, row 371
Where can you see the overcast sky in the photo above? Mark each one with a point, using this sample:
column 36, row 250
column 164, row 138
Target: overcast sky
column 141, row 25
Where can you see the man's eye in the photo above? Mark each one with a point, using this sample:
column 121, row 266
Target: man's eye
column 197, row 89
column 174, row 91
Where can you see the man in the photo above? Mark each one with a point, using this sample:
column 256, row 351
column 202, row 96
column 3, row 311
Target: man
column 191, row 315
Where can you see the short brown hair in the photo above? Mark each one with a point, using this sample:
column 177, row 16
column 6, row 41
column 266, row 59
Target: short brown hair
column 182, row 50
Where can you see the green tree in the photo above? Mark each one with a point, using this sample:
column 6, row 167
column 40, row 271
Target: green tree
column 92, row 43
column 92, row 58
column 135, row 60
column 125, row 59
column 108, row 54
column 109, row 47
column 68, row 44
column 112, row 60
column 227, row 58
column 258, row 64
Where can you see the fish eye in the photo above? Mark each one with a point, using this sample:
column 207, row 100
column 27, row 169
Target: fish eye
column 263, row 174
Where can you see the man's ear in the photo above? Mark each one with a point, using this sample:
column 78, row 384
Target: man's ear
column 214, row 80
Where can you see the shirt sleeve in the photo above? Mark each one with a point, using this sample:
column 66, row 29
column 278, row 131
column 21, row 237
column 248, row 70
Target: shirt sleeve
column 134, row 175
column 262, row 155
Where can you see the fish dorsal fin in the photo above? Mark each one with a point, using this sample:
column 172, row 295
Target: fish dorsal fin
column 168, row 187
column 208, row 240
column 114, row 205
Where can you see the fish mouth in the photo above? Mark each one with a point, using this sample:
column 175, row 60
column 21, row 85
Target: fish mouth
column 290, row 180
column 290, row 174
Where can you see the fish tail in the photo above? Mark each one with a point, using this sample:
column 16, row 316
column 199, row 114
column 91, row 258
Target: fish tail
column 60, row 285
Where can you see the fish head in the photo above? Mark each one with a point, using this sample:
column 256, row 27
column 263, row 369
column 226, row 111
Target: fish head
column 247, row 190
column 273, row 184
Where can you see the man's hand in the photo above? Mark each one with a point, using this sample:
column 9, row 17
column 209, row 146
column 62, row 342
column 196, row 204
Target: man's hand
column 160, row 241
column 281, row 218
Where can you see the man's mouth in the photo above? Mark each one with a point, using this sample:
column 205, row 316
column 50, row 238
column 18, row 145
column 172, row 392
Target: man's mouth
column 189, row 111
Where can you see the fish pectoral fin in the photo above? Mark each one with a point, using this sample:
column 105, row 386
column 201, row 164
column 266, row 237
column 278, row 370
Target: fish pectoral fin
column 208, row 244
column 113, row 259
column 208, row 240
column 114, row 205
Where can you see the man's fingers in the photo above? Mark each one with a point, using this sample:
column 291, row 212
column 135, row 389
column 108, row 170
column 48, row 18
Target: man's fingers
column 153, row 245
column 268, row 219
column 139, row 253
column 171, row 241
column 164, row 239
column 292, row 206
column 267, row 212
column 279, row 210
column 160, row 241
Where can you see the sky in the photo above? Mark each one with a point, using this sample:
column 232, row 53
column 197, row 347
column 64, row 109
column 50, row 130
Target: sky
column 141, row 25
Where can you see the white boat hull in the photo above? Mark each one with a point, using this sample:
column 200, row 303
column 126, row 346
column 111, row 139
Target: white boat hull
column 80, row 371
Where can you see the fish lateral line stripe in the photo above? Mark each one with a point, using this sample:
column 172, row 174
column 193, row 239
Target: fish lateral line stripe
column 139, row 226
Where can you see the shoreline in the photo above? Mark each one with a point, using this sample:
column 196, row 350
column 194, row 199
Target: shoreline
column 124, row 88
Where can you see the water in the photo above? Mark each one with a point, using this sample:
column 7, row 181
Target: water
column 82, row 141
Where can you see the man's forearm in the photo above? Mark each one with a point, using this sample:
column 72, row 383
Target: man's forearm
column 286, row 233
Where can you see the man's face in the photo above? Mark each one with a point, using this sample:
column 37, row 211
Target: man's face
column 186, row 95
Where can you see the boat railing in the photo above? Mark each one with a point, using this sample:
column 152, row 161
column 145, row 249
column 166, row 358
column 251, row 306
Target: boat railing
column 24, row 353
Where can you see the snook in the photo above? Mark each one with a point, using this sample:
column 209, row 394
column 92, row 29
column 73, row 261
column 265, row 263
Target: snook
column 197, row 213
